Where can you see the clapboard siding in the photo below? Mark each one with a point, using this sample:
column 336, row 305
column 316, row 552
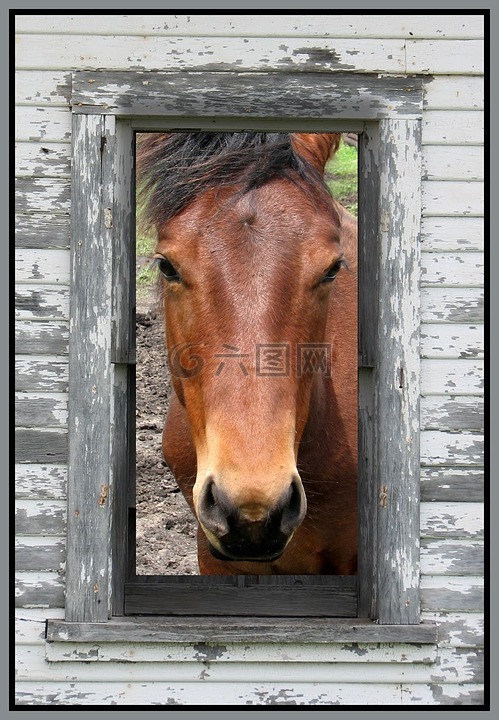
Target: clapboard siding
column 442, row 412
column 38, row 159
column 246, row 693
column 450, row 162
column 457, row 629
column 452, row 305
column 452, row 341
column 41, row 481
column 42, row 87
column 448, row 198
column 39, row 589
column 41, row 231
column 356, row 26
column 41, row 303
column 464, row 128
column 452, row 377
column 447, row 448
column 42, row 124
column 452, row 520
column 41, row 374
column 40, row 553
column 41, row 337
column 452, row 557
column 41, row 445
column 454, row 93
column 452, row 484
column 452, row 594
column 42, row 267
column 452, row 270
column 42, row 195
column 448, row 51
column 452, row 234
column 41, row 410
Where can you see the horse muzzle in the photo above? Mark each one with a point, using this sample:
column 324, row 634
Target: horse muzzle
column 254, row 531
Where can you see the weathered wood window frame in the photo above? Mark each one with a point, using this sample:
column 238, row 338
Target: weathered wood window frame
column 108, row 108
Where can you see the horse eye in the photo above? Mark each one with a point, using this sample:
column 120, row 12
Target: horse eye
column 333, row 271
column 167, row 269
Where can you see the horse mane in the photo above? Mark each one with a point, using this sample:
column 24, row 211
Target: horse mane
column 173, row 169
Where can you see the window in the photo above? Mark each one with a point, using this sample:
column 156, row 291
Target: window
column 386, row 112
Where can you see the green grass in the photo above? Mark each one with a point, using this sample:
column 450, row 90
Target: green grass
column 341, row 177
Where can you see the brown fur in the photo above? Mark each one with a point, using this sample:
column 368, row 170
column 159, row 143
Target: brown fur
column 251, row 266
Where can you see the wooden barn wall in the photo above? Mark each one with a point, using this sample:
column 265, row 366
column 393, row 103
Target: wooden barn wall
column 448, row 48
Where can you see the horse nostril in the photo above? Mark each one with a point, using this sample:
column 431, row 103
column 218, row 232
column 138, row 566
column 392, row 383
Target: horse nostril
column 210, row 510
column 295, row 508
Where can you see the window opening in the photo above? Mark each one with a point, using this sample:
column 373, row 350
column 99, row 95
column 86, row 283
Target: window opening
column 166, row 527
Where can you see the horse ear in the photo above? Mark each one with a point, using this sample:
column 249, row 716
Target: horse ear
column 317, row 148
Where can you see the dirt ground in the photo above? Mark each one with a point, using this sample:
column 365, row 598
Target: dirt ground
column 166, row 528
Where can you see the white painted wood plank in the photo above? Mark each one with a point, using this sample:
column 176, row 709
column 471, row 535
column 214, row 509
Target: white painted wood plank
column 41, row 409
column 452, row 484
column 42, row 87
column 449, row 92
column 445, row 448
column 41, row 374
column 445, row 57
column 455, row 594
column 42, row 230
column 216, row 694
column 45, row 124
column 220, row 694
column 352, row 654
column 453, row 162
column 146, row 52
column 40, row 517
column 30, row 624
column 452, row 341
column 457, row 629
column 442, row 412
column 31, row 665
column 452, row 377
column 41, row 337
column 41, row 303
column 452, row 557
column 335, row 25
column 452, row 520
column 41, row 481
column 447, row 198
column 455, row 127
column 42, row 267
column 35, row 195
column 448, row 234
column 36, row 159
column 452, row 305
column 40, row 553
column 39, row 590
column 452, row 269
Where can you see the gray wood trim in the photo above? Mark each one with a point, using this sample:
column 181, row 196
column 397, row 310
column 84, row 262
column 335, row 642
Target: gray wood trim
column 248, row 630
column 338, row 598
column 397, row 378
column 229, row 94
column 390, row 383
column 91, row 372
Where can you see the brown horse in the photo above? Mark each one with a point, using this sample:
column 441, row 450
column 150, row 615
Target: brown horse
column 259, row 276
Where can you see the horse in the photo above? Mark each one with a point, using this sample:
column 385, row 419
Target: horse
column 258, row 268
